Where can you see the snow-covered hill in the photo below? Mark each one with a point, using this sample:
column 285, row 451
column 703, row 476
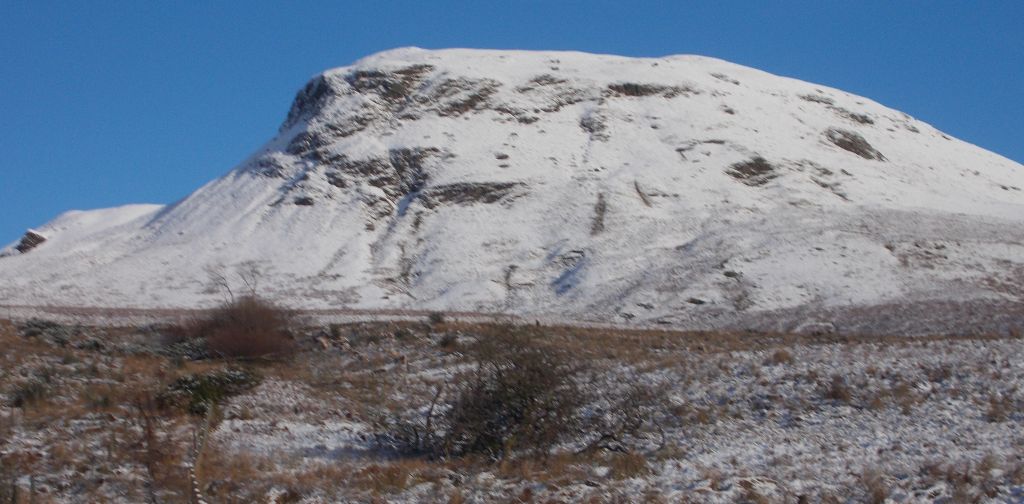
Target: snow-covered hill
column 683, row 191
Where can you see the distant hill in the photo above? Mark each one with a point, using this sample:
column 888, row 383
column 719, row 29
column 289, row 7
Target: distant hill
column 681, row 191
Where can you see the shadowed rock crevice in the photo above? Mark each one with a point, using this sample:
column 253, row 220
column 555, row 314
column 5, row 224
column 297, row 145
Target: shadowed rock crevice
column 600, row 209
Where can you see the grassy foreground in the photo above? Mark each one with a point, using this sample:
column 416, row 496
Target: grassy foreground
column 385, row 412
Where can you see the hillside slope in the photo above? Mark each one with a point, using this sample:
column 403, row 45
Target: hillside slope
column 685, row 191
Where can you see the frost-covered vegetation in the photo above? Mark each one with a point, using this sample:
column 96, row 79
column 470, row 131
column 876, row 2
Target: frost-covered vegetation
column 447, row 411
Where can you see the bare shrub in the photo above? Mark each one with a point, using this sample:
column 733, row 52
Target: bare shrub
column 628, row 465
column 518, row 396
column 521, row 395
column 248, row 328
column 624, row 419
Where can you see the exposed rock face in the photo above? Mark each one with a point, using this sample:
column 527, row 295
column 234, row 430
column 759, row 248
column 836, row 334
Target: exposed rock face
column 852, row 142
column 681, row 191
column 466, row 192
column 755, row 172
column 30, row 241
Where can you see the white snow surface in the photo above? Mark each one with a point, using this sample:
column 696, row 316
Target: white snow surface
column 567, row 185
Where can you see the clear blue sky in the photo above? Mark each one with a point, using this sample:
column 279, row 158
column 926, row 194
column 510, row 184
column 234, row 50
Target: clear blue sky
column 104, row 103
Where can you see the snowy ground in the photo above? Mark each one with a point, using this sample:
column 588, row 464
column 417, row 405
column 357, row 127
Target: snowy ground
column 746, row 417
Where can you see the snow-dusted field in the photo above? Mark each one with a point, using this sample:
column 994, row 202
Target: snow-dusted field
column 742, row 417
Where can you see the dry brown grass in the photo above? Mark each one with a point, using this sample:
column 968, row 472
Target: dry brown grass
column 905, row 397
column 8, row 331
column 95, row 390
column 558, row 468
column 750, row 493
column 632, row 345
column 363, row 377
column 1000, row 407
column 393, row 477
column 839, row 390
column 875, row 487
column 780, row 357
column 232, row 476
column 627, row 465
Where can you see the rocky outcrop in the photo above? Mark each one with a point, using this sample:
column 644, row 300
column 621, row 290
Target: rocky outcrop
column 29, row 241
column 853, row 142
column 466, row 193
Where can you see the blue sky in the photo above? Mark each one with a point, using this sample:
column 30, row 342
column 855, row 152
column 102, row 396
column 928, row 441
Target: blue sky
column 105, row 103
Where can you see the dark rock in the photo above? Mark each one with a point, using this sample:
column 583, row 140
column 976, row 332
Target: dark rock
column 30, row 241
column 852, row 142
column 313, row 98
column 595, row 125
column 390, row 87
column 633, row 89
column 463, row 193
column 322, row 135
column 459, row 96
column 267, row 166
column 725, row 78
column 857, row 118
column 755, row 172
column 824, row 100
column 540, row 81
